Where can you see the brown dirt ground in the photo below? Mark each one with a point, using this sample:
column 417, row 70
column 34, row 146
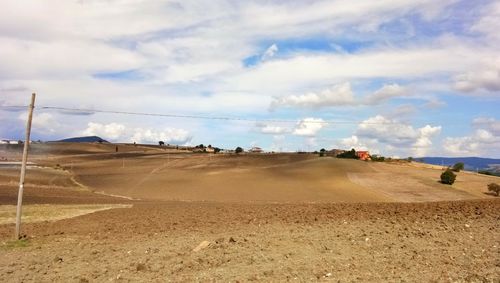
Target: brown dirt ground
column 153, row 242
column 270, row 218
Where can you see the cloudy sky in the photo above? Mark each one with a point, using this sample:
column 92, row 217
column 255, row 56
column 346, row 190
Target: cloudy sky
column 397, row 77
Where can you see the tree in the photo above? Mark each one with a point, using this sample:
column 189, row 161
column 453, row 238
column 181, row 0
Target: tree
column 494, row 188
column 322, row 152
column 238, row 150
column 448, row 177
column 348, row 154
column 458, row 166
column 161, row 143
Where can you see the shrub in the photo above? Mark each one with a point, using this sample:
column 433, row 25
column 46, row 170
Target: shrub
column 494, row 188
column 238, row 150
column 348, row 154
column 458, row 166
column 448, row 177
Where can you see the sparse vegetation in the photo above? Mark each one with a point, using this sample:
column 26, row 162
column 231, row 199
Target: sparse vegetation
column 378, row 158
column 21, row 243
column 494, row 188
column 489, row 173
column 458, row 166
column 448, row 177
column 238, row 150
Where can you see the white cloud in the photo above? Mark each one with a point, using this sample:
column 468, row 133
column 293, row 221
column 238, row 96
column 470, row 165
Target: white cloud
column 490, row 124
column 309, row 127
column 270, row 52
column 42, row 122
column 354, row 142
column 340, row 94
column 484, row 141
column 112, row 131
column 272, row 129
column 169, row 135
column 479, row 79
column 179, row 50
column 385, row 93
column 384, row 131
column 488, row 23
column 122, row 133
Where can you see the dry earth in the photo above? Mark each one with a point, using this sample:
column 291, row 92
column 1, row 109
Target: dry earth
column 260, row 217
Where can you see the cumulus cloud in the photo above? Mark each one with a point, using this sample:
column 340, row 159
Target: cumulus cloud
column 484, row 141
column 122, row 133
column 339, row 95
column 112, row 131
column 169, row 135
column 308, row 127
column 388, row 132
column 354, row 142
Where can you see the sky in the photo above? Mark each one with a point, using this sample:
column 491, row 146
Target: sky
column 395, row 77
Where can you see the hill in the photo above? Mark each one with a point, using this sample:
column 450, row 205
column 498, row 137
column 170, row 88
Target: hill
column 471, row 163
column 84, row 139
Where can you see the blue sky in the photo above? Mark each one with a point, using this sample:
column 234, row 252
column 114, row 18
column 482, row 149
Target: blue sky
column 400, row 78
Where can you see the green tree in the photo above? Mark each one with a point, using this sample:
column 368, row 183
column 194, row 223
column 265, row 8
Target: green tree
column 238, row 150
column 348, row 154
column 448, row 177
column 322, row 152
column 458, row 166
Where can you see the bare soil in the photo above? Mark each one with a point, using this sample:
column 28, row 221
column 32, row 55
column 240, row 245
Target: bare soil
column 271, row 218
column 154, row 242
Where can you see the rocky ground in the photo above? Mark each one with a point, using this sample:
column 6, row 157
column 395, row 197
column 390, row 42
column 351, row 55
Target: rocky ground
column 154, row 242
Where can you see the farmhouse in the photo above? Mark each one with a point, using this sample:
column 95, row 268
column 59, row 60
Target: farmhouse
column 334, row 152
column 363, row 155
column 256, row 149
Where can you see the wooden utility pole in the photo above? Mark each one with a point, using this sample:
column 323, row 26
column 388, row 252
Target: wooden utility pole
column 23, row 167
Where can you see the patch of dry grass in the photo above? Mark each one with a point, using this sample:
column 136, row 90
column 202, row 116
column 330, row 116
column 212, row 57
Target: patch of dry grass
column 52, row 212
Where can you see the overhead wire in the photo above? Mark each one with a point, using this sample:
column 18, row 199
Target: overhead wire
column 203, row 117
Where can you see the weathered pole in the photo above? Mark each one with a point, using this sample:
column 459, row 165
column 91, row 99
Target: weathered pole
column 23, row 167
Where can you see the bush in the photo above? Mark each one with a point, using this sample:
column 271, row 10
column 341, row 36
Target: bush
column 448, row 177
column 238, row 150
column 348, row 154
column 494, row 188
column 458, row 166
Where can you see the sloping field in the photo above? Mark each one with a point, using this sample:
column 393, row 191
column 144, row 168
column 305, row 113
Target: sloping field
column 153, row 173
column 272, row 178
column 260, row 218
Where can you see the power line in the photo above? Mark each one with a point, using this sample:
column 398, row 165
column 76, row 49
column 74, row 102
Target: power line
column 92, row 111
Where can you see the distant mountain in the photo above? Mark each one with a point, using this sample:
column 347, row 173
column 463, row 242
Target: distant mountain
column 84, row 139
column 471, row 163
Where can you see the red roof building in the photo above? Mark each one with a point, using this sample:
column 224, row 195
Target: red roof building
column 363, row 155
